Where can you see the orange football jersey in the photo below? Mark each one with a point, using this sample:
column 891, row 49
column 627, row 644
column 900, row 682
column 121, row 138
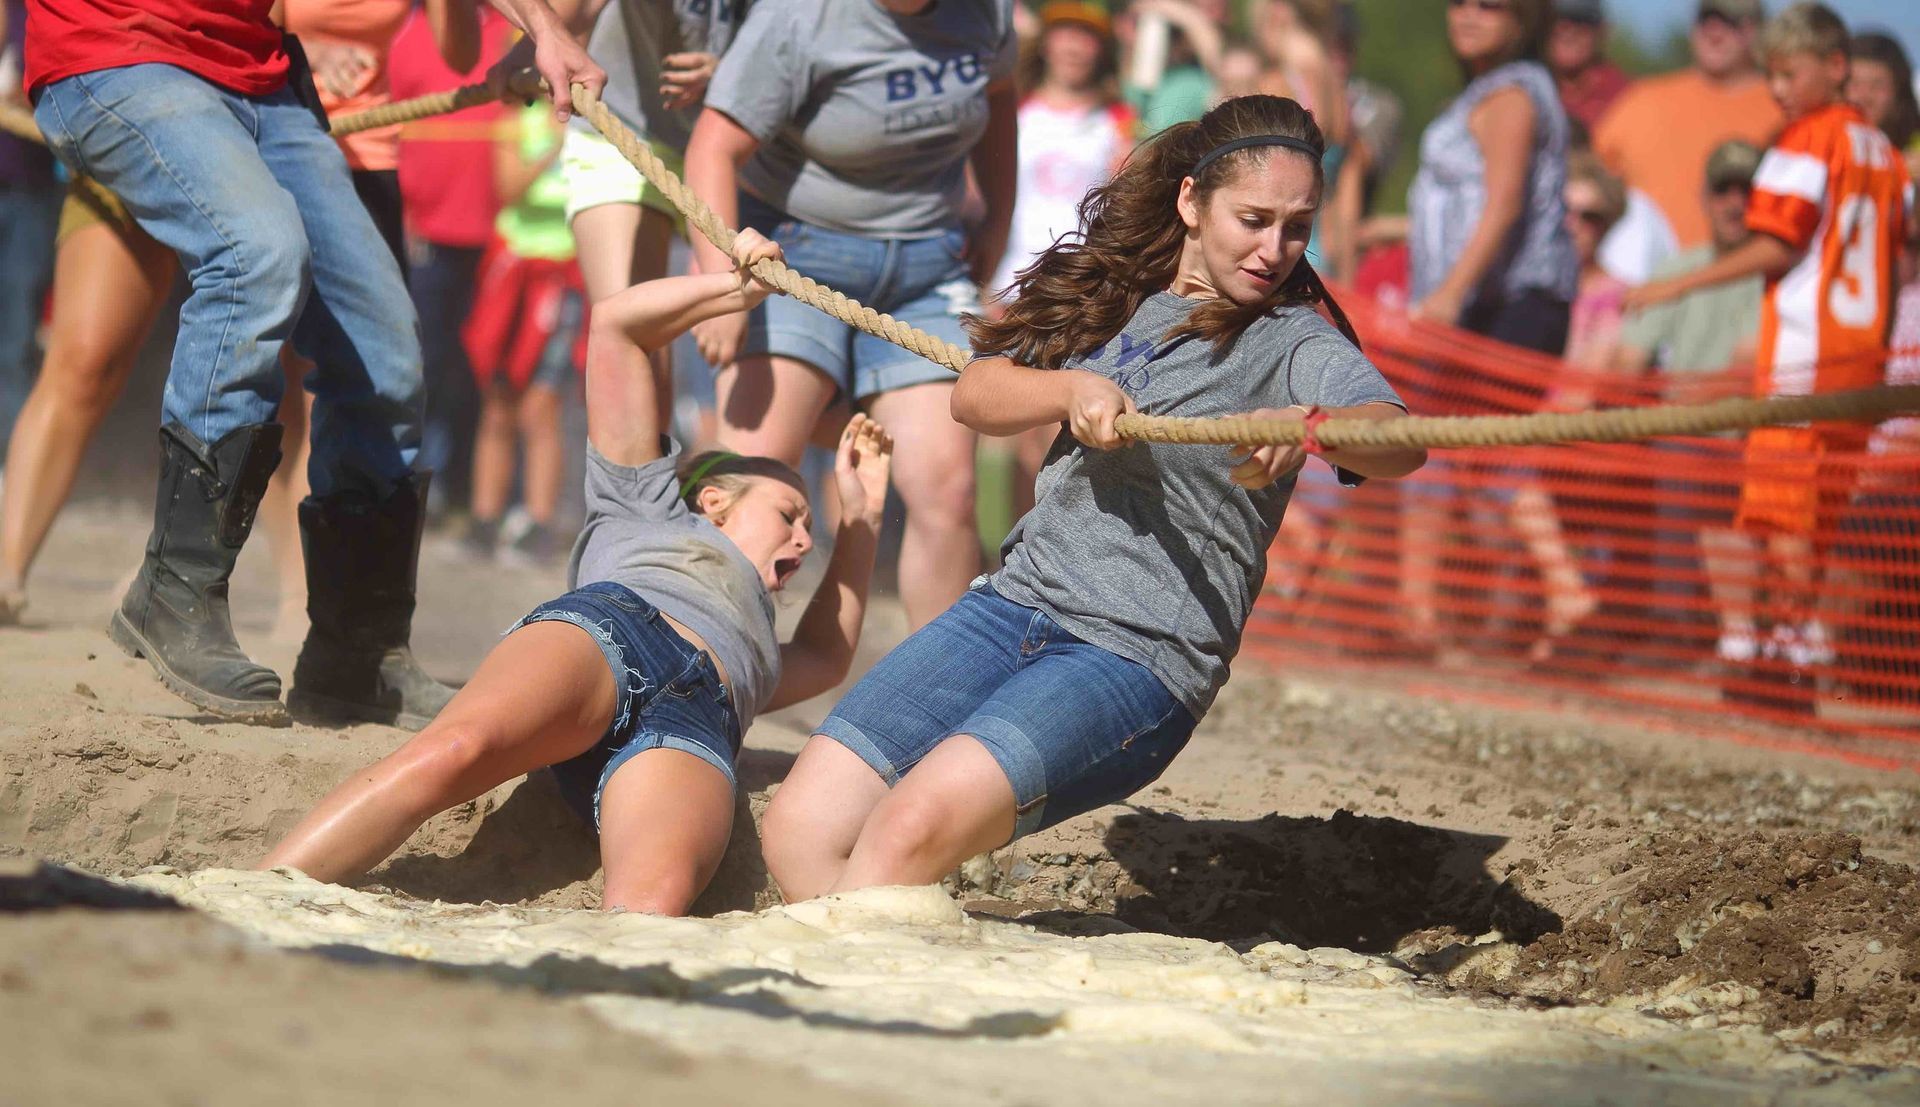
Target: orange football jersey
column 1834, row 187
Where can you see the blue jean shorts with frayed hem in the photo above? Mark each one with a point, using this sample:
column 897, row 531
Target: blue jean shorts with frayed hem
column 1074, row 727
column 920, row 281
column 669, row 693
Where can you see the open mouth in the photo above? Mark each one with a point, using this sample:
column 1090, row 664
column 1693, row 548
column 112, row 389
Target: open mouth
column 1261, row 277
column 783, row 570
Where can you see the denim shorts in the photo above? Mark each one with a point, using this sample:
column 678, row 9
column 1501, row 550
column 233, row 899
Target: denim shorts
column 1074, row 726
column 670, row 695
column 921, row 281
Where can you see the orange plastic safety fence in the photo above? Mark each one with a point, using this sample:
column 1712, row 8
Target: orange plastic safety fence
column 1774, row 576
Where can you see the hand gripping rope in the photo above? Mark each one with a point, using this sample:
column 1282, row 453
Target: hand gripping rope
column 1613, row 425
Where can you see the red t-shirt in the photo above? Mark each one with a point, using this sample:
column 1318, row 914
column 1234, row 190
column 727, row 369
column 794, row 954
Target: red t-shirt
column 446, row 163
column 232, row 43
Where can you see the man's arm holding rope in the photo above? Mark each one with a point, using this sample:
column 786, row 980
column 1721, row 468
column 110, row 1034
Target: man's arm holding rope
column 556, row 54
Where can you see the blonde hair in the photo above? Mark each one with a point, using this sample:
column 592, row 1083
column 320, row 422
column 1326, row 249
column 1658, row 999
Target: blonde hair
column 1805, row 28
column 732, row 474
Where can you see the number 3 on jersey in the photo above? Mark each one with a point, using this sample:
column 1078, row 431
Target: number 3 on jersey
column 1854, row 299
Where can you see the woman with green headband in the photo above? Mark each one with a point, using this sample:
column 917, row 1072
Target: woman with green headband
column 635, row 687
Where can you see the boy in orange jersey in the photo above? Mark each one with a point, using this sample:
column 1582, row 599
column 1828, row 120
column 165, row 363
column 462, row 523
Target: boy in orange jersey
column 1831, row 210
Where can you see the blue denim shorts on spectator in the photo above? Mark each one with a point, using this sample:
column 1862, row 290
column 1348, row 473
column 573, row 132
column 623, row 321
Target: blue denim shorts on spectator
column 1075, row 727
column 921, row 281
column 670, row 695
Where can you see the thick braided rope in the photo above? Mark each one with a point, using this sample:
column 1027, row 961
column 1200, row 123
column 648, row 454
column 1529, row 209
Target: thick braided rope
column 19, row 123
column 406, row 111
column 1545, row 428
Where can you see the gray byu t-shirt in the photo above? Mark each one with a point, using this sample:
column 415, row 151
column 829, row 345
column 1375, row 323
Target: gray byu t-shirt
column 1151, row 551
column 865, row 118
column 641, row 534
column 629, row 39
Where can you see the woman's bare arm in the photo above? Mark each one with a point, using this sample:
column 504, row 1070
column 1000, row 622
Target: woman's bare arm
column 623, row 413
column 822, row 648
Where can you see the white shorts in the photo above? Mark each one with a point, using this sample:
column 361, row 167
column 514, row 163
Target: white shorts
column 596, row 173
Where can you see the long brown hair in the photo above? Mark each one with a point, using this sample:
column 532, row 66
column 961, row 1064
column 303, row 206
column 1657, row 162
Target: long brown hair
column 1081, row 290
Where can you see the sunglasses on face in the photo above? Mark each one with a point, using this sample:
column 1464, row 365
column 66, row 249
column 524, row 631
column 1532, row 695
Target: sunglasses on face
column 1732, row 187
column 1592, row 217
column 1481, row 5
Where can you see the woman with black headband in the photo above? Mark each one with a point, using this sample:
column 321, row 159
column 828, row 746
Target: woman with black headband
column 1072, row 677
column 637, row 686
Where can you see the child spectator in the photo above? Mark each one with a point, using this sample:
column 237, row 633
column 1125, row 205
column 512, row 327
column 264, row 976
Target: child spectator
column 1830, row 207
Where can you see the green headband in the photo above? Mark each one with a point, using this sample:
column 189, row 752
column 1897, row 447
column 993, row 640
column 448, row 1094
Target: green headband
column 701, row 470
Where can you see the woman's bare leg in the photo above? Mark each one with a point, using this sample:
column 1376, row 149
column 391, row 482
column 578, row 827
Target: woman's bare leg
column 665, row 818
column 280, row 508
column 543, row 695
column 770, row 405
column 1568, row 598
column 940, row 551
column 493, row 442
column 543, row 447
column 954, row 804
column 814, row 820
column 106, row 291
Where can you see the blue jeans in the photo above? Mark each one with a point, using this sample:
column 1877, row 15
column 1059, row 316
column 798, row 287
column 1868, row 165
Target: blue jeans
column 29, row 215
column 669, row 695
column 443, row 278
column 258, row 203
column 920, row 281
column 1073, row 726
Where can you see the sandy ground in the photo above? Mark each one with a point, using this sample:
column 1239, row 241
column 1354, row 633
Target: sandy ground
column 1341, row 893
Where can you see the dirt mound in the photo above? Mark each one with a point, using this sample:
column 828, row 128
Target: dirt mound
column 116, row 794
column 1804, row 935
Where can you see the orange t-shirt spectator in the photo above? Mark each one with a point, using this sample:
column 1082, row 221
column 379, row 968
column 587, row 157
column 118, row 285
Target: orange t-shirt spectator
column 1658, row 134
column 347, row 42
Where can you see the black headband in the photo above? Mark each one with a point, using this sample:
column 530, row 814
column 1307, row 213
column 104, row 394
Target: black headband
column 1249, row 143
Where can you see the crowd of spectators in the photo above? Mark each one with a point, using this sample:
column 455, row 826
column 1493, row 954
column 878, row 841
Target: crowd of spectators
column 1550, row 184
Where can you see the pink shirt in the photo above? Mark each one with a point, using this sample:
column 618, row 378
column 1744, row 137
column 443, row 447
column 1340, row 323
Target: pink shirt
column 446, row 163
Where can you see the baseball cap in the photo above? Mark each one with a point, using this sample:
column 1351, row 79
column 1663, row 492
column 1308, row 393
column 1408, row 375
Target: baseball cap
column 1732, row 163
column 1738, row 11
column 1580, row 11
column 1076, row 11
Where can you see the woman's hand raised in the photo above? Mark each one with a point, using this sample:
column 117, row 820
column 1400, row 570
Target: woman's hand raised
column 861, row 468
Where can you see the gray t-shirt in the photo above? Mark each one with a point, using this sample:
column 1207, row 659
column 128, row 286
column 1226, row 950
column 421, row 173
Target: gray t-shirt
column 628, row 40
column 865, row 118
column 641, row 534
column 1703, row 330
column 1151, row 551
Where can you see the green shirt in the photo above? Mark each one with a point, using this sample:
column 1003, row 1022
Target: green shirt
column 1699, row 332
column 536, row 227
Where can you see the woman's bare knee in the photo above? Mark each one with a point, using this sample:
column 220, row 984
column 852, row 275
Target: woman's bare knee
column 670, row 893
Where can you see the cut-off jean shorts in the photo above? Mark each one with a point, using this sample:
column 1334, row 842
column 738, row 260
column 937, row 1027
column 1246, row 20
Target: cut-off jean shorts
column 920, row 281
column 1074, row 727
column 669, row 694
